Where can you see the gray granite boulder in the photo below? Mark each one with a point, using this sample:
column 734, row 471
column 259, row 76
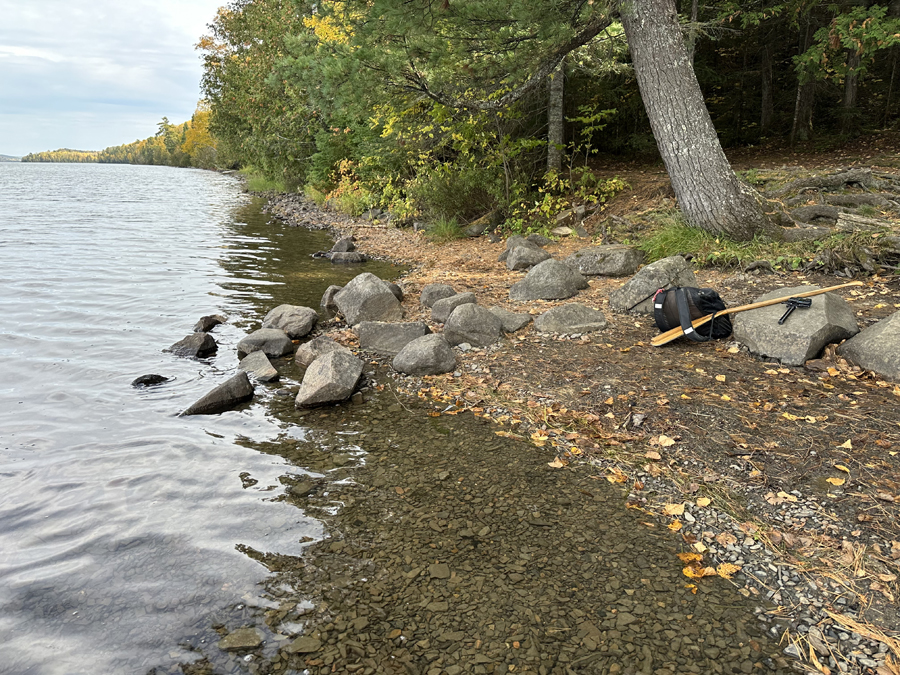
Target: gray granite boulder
column 396, row 290
column 331, row 378
column 208, row 322
column 511, row 321
column 258, row 365
column 474, row 324
column 309, row 352
column 367, row 298
column 550, row 280
column 443, row 308
column 518, row 241
column 538, row 239
column 803, row 335
column 295, row 320
column 434, row 292
column 328, row 305
column 877, row 348
column 636, row 296
column 388, row 338
column 570, row 318
column 525, row 257
column 613, row 260
column 344, row 245
column 226, row 396
column 347, row 258
column 195, row 346
column 427, row 355
column 272, row 342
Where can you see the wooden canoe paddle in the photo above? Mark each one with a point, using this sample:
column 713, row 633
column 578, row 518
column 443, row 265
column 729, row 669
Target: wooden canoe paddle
column 675, row 333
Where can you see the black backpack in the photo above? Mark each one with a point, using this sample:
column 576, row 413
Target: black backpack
column 681, row 305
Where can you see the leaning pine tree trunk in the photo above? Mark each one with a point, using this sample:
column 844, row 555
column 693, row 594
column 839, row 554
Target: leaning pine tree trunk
column 709, row 194
column 556, row 119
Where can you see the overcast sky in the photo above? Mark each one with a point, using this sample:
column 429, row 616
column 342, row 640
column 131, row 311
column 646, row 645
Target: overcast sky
column 88, row 74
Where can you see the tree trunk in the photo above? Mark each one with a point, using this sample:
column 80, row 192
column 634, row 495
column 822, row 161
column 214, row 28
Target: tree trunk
column 851, row 88
column 767, row 109
column 556, row 120
column 709, row 194
column 803, row 105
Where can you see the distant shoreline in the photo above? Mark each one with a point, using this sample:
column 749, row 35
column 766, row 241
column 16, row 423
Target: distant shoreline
column 9, row 158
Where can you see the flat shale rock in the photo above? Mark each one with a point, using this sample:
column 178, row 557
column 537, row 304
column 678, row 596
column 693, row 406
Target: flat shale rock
column 367, row 298
column 258, row 365
column 443, row 308
column 226, row 396
column 242, row 638
column 309, row 352
column 877, row 348
column 331, row 378
column 272, row 342
column 295, row 320
column 511, row 321
column 803, row 335
column 434, row 292
column 613, row 260
column 195, row 346
column 388, row 338
column 473, row 324
column 549, row 280
column 571, row 318
column 637, row 293
column 427, row 355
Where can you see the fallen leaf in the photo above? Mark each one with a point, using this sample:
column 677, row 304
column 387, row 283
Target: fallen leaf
column 726, row 539
column 727, row 570
column 847, row 446
column 726, row 397
column 692, row 588
column 786, row 496
column 609, row 401
column 835, row 481
column 841, row 467
column 720, row 378
column 690, row 557
column 703, row 501
column 887, row 578
column 675, row 525
column 556, row 463
column 652, row 454
column 673, row 509
column 664, row 441
column 700, row 547
column 834, row 372
column 789, row 416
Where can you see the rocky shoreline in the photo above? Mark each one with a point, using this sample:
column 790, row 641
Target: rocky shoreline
column 827, row 618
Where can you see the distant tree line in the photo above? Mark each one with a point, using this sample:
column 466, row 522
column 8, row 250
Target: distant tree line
column 184, row 145
column 451, row 108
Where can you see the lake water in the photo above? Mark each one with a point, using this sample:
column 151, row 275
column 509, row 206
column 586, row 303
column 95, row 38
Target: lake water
column 125, row 529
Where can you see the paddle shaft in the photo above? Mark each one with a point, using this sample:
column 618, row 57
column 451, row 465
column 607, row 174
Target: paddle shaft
column 675, row 333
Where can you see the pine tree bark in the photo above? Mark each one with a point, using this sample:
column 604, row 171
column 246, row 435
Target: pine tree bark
column 767, row 108
column 710, row 196
column 555, row 119
column 851, row 89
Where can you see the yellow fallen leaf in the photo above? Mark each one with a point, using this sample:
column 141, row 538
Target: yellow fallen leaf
column 675, row 525
column 720, row 378
column 609, row 401
column 841, row 467
column 652, row 454
column 692, row 588
column 727, row 570
column 690, row 557
column 788, row 416
column 697, row 572
column 664, row 441
column 835, row 481
column 834, row 372
column 686, row 396
column 887, row 578
column 734, row 350
column 703, row 501
column 847, row 446
column 556, row 463
column 673, row 509
column 786, row 496
column 700, row 547
column 771, row 372
column 726, row 397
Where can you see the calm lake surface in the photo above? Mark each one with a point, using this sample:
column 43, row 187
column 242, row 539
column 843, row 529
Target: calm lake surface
column 125, row 529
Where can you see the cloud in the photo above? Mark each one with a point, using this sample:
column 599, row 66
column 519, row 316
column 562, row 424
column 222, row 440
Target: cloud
column 96, row 73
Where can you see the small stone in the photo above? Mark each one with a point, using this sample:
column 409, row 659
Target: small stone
column 243, row 638
column 439, row 571
column 304, row 645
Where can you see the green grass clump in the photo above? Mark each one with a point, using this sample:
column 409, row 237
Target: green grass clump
column 444, row 229
column 259, row 182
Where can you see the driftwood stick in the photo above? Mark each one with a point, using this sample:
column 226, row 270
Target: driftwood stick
column 675, row 333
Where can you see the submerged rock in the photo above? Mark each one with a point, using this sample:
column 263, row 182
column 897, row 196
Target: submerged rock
column 226, row 396
column 208, row 322
column 348, row 258
column 149, row 380
column 195, row 345
column 242, row 638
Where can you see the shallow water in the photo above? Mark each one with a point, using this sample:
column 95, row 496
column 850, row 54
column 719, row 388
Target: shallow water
column 124, row 529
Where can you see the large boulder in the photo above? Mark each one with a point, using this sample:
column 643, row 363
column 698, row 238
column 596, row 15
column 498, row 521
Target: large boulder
column 272, row 342
column 347, row 258
column 208, row 322
column 258, row 365
column 803, row 334
column 570, row 318
column 474, row 324
column 613, row 260
column 877, row 348
column 518, row 241
column 344, row 245
column 367, row 298
column 511, row 321
column 295, row 320
column 331, row 378
column 226, row 396
column 388, row 338
column 427, row 355
column 434, row 292
column 636, row 296
column 525, row 257
column 309, row 352
column 443, row 308
column 195, row 346
column 550, row 280
column 396, row 290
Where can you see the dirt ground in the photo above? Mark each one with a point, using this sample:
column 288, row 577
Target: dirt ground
column 808, row 457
